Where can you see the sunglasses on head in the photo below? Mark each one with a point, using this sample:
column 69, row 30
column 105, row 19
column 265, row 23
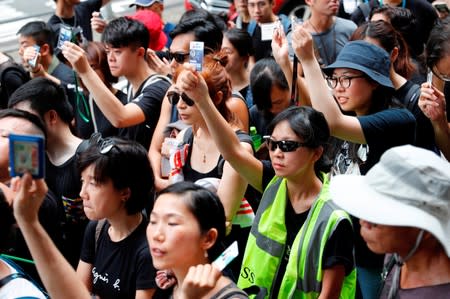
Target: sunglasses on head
column 105, row 145
column 179, row 57
column 284, row 145
column 174, row 97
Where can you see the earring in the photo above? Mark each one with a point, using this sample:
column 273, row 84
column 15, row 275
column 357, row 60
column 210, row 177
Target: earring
column 206, row 254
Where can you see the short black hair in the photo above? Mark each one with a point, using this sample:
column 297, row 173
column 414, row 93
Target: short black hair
column 125, row 32
column 265, row 74
column 40, row 32
column 438, row 45
column 311, row 126
column 44, row 95
column 206, row 208
column 33, row 119
column 205, row 27
column 127, row 165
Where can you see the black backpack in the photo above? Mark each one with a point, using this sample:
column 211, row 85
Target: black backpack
column 4, row 68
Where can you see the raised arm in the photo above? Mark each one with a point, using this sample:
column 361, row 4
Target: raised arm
column 58, row 276
column 239, row 157
column 118, row 114
column 341, row 126
column 154, row 153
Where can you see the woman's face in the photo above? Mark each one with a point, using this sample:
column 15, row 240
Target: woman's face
column 442, row 68
column 293, row 163
column 356, row 97
column 174, row 235
column 188, row 114
column 100, row 200
column 235, row 61
column 280, row 99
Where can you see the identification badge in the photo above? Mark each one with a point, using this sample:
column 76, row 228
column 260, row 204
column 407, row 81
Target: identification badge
column 267, row 30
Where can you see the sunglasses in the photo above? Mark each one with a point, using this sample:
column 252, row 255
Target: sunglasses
column 179, row 57
column 174, row 97
column 105, row 145
column 284, row 145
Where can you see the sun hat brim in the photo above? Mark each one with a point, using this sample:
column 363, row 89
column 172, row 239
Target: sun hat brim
column 353, row 194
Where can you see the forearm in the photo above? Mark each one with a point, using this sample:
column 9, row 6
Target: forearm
column 58, row 276
column 106, row 101
column 320, row 95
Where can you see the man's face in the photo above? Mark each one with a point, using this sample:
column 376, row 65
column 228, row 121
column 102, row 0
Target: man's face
column 24, row 42
column 260, row 10
column 180, row 48
column 123, row 61
column 324, row 7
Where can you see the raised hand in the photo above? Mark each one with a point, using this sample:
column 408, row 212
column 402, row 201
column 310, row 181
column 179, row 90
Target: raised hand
column 29, row 196
column 76, row 56
column 432, row 103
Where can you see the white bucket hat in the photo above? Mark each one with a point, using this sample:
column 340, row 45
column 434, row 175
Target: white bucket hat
column 409, row 186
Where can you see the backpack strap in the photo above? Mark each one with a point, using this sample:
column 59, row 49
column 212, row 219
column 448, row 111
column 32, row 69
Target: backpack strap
column 411, row 98
column 150, row 80
column 251, row 27
column 10, row 277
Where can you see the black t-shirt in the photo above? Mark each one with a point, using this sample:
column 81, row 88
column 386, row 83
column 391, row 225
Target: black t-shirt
column 119, row 268
column 104, row 126
column 424, row 129
column 339, row 247
column 82, row 19
column 149, row 99
column 263, row 49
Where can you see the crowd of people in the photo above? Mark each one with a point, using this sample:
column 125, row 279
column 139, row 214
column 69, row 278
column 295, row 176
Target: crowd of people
column 148, row 188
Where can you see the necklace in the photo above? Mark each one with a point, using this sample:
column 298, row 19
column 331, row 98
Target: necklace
column 329, row 58
column 202, row 150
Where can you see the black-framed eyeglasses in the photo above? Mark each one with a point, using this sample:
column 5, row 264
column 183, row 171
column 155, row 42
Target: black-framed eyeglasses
column 179, row 57
column 344, row 81
column 174, row 97
column 445, row 78
column 105, row 145
column 284, row 145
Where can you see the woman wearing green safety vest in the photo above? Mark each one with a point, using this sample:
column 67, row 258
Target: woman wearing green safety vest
column 301, row 244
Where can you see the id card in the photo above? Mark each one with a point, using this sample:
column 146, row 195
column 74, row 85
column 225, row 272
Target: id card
column 26, row 153
column 196, row 55
column 227, row 256
column 32, row 62
column 65, row 34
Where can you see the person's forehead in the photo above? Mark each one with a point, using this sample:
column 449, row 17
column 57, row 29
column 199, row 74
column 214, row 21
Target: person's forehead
column 15, row 125
column 181, row 42
column 258, row 1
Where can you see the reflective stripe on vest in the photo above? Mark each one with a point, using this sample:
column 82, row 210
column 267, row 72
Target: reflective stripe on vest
column 305, row 269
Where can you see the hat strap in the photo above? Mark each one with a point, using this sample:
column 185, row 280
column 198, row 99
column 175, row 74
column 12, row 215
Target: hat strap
column 399, row 263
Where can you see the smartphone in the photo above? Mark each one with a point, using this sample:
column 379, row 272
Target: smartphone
column 26, row 153
column 196, row 52
column 442, row 8
column 32, row 62
column 430, row 78
column 65, row 34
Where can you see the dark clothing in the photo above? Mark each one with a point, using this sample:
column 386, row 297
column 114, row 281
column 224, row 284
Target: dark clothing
column 82, row 19
column 408, row 94
column 64, row 181
column 149, row 98
column 104, row 126
column 119, row 268
column 260, row 120
column 338, row 250
column 386, row 129
column 440, row 291
column 425, row 15
column 262, row 48
column 12, row 76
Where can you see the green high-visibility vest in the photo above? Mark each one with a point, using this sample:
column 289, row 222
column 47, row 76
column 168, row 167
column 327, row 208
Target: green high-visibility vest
column 267, row 243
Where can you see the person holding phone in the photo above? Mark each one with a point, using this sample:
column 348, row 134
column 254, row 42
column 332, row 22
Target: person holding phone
column 295, row 188
column 434, row 93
